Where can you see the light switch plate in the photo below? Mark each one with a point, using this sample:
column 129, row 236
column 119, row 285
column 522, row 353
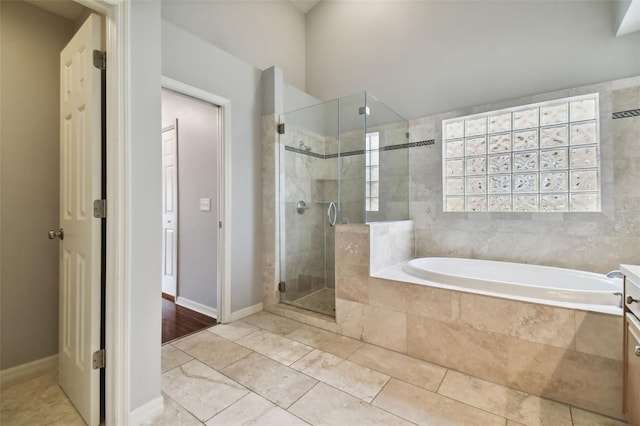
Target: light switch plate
column 205, row 204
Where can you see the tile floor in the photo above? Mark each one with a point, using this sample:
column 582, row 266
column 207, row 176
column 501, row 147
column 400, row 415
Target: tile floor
column 270, row 370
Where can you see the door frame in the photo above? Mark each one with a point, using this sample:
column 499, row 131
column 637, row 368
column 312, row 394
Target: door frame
column 117, row 304
column 224, row 189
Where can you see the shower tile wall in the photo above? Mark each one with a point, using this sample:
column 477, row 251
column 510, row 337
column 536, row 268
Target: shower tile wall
column 587, row 241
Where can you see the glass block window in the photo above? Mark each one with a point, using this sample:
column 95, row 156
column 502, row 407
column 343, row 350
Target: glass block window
column 542, row 157
column 372, row 171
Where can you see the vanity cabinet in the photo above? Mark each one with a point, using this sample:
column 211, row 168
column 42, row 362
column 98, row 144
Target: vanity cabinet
column 631, row 356
column 632, row 371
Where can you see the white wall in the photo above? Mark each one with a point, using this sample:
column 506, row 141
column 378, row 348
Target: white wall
column 31, row 40
column 423, row 57
column 145, row 219
column 195, row 62
column 198, row 143
column 263, row 33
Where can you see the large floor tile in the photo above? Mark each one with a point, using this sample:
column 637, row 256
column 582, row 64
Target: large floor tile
column 402, row 367
column 273, row 323
column 274, row 346
column 172, row 357
column 211, row 349
column 200, row 389
column 233, row 331
column 174, row 414
column 36, row 402
column 325, row 340
column 430, row 409
column 512, row 404
column 326, row 406
column 255, row 410
column 354, row 379
column 585, row 418
column 278, row 383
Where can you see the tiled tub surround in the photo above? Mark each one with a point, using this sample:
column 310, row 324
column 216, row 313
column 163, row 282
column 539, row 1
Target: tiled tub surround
column 596, row 242
column 563, row 354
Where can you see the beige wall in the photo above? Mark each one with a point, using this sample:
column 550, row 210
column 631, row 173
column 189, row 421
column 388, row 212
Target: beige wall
column 597, row 242
column 30, row 43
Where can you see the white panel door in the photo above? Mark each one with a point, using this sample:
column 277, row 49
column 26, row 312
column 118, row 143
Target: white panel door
column 170, row 209
column 80, row 184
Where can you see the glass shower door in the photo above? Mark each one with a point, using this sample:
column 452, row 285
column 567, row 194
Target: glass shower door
column 308, row 188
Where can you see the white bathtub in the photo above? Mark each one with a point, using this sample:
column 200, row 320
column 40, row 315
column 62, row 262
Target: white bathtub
column 555, row 286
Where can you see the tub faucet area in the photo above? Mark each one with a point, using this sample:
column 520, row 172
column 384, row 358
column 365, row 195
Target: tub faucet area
column 614, row 274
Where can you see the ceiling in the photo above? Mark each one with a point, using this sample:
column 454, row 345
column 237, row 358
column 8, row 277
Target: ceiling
column 304, row 5
column 72, row 10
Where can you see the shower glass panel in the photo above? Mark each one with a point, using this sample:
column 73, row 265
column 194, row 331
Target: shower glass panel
column 308, row 206
column 343, row 161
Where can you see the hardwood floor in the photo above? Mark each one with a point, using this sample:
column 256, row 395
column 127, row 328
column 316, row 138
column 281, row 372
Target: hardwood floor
column 178, row 321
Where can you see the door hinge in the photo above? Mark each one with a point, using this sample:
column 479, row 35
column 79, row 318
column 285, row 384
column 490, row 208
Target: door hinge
column 100, row 59
column 282, row 287
column 100, row 209
column 99, row 359
column 281, row 129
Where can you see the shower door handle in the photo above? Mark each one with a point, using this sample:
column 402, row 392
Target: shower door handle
column 332, row 220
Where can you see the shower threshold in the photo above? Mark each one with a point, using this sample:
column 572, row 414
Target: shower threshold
column 322, row 301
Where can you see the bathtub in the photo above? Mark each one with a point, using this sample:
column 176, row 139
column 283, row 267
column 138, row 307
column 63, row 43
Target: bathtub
column 542, row 284
column 516, row 279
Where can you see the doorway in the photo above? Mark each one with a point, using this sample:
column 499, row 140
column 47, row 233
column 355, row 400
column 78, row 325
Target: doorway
column 191, row 213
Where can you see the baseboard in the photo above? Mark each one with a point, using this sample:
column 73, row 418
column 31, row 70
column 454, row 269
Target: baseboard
column 242, row 313
column 168, row 296
column 145, row 413
column 198, row 307
column 23, row 372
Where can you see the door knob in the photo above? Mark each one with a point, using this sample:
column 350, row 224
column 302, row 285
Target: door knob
column 631, row 300
column 53, row 234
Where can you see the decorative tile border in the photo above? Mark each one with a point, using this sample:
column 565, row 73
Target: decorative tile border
column 626, row 114
column 360, row 151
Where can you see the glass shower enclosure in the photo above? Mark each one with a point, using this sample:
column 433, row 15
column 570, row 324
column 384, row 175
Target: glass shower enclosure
column 341, row 161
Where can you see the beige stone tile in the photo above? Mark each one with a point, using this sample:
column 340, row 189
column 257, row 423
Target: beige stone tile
column 280, row 384
column 585, row 418
column 252, row 409
column 314, row 319
column 329, row 342
column 352, row 245
column 427, row 408
column 411, row 298
column 599, row 334
column 347, row 376
column 534, row 322
column 171, row 357
column 276, row 347
column 478, row 353
column 211, row 349
column 350, row 318
column 402, row 367
column 173, row 415
column 352, row 282
column 505, row 402
column 327, row 406
column 579, row 379
column 512, row 423
column 386, row 328
column 234, row 330
column 200, row 389
column 273, row 323
column 37, row 401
